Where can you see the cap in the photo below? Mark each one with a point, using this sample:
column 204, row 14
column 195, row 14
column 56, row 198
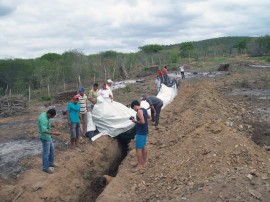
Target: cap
column 81, row 90
column 109, row 81
column 75, row 96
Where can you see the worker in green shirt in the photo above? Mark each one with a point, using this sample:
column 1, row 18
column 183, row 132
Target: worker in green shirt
column 45, row 135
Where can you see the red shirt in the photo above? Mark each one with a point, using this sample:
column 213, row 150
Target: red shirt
column 165, row 71
column 159, row 73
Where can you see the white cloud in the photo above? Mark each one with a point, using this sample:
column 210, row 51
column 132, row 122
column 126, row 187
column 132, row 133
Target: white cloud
column 31, row 28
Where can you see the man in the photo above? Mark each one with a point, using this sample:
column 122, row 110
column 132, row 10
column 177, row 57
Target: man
column 155, row 106
column 158, row 83
column 141, row 122
column 45, row 136
column 93, row 94
column 105, row 92
column 109, row 86
column 182, row 70
column 74, row 117
column 83, row 109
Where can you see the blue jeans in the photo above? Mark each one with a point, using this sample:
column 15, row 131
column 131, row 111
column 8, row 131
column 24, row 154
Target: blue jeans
column 75, row 130
column 47, row 153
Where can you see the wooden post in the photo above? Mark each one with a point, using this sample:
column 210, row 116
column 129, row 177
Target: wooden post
column 48, row 88
column 113, row 73
column 29, row 93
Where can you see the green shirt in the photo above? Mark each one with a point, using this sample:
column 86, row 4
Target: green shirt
column 43, row 126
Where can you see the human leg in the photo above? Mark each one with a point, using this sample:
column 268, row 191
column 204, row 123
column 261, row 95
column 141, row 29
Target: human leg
column 72, row 134
column 140, row 144
column 45, row 154
column 51, row 155
column 77, row 138
column 144, row 154
column 158, row 109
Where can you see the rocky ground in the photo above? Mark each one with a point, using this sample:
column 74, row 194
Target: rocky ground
column 212, row 145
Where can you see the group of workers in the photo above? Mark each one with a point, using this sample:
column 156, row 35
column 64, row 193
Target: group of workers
column 77, row 115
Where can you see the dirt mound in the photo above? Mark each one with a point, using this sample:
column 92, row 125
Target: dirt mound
column 196, row 156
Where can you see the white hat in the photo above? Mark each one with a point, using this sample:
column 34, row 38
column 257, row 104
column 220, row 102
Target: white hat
column 109, row 81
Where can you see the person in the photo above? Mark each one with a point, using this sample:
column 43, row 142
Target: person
column 158, row 83
column 165, row 70
column 155, row 106
column 45, row 135
column 109, row 86
column 105, row 180
column 83, row 109
column 105, row 92
column 93, row 94
column 74, row 117
column 182, row 70
column 160, row 74
column 165, row 76
column 141, row 126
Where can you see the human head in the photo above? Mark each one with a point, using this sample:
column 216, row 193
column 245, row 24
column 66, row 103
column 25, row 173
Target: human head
column 81, row 91
column 109, row 82
column 135, row 105
column 95, row 86
column 143, row 97
column 51, row 113
column 75, row 99
column 104, row 86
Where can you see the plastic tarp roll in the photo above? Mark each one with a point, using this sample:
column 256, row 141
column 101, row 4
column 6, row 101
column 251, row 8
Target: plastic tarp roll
column 112, row 118
column 166, row 94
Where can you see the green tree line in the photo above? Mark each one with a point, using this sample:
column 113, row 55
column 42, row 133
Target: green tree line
column 60, row 72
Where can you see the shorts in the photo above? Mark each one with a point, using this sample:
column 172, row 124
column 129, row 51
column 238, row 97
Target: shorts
column 140, row 141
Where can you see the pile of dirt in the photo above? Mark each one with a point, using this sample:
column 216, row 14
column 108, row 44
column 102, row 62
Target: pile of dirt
column 196, row 155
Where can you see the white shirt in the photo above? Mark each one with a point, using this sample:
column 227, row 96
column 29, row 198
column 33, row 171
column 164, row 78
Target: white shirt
column 182, row 69
column 157, row 82
column 105, row 93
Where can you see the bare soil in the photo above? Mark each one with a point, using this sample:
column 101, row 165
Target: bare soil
column 211, row 146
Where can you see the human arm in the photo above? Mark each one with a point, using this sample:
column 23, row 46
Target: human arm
column 68, row 117
column 53, row 133
column 140, row 117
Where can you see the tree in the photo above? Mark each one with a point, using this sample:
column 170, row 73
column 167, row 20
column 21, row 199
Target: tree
column 186, row 49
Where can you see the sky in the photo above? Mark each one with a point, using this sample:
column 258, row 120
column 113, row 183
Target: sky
column 32, row 28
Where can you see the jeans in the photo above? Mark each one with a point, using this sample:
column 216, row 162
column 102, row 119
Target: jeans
column 47, row 153
column 75, row 130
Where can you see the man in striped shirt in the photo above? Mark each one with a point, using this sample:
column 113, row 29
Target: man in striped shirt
column 83, row 109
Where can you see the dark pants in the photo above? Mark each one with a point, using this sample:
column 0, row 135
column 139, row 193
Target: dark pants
column 183, row 75
column 158, row 110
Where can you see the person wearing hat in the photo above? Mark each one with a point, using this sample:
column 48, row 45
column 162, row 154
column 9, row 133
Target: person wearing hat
column 83, row 109
column 155, row 106
column 109, row 86
column 105, row 92
column 74, row 117
column 45, row 135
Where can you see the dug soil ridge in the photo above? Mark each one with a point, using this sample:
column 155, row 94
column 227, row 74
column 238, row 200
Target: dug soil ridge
column 196, row 155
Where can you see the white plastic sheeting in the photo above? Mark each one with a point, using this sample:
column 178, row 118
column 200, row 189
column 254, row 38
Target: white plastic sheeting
column 166, row 94
column 112, row 118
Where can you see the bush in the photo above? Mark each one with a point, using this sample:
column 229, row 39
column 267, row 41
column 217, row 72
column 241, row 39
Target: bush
column 45, row 98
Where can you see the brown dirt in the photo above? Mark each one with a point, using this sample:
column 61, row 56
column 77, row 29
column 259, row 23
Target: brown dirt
column 203, row 151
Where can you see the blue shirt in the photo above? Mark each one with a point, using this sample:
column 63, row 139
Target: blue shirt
column 142, row 129
column 74, row 110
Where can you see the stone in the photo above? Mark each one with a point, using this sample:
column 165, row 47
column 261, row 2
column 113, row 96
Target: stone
column 255, row 193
